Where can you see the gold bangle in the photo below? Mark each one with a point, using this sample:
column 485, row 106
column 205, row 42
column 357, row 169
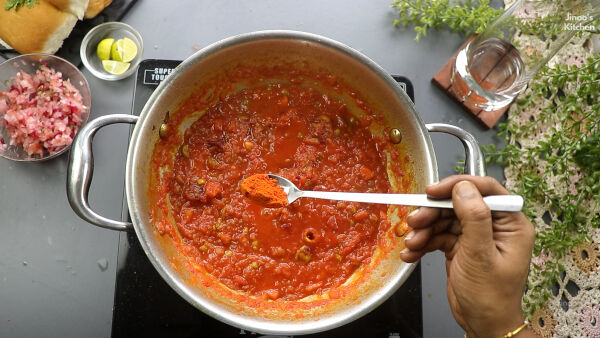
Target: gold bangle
column 510, row 334
column 513, row 333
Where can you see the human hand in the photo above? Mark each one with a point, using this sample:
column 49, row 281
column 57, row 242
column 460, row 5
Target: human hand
column 487, row 254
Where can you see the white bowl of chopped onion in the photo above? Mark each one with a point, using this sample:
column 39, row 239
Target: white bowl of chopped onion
column 44, row 101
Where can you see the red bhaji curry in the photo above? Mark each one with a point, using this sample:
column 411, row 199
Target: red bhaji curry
column 294, row 131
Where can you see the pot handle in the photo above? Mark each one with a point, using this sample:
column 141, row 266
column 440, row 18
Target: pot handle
column 474, row 162
column 81, row 170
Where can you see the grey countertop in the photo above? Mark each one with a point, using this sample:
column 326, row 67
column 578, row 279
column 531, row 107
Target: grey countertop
column 57, row 272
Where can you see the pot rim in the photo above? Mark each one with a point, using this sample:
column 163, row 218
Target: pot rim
column 231, row 318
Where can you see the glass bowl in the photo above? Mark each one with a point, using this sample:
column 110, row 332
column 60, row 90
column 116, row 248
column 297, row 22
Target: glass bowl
column 29, row 63
column 115, row 30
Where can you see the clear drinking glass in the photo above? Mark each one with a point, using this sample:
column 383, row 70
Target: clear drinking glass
column 493, row 68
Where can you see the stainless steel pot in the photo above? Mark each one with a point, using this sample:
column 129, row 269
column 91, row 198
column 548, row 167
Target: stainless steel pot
column 380, row 91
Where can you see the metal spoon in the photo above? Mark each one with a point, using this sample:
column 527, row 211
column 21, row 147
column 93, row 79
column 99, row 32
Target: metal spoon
column 494, row 202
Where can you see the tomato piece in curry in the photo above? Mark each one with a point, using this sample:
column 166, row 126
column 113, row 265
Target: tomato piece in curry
column 297, row 132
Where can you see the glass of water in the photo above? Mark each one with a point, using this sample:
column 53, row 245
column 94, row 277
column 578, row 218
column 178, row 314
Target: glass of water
column 493, row 68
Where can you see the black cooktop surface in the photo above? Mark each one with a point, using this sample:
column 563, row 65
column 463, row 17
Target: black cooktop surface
column 146, row 306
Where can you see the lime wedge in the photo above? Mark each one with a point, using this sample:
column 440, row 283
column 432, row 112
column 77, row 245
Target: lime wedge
column 124, row 50
column 115, row 67
column 103, row 49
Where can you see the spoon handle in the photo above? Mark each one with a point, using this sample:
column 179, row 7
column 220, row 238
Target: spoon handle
column 494, row 202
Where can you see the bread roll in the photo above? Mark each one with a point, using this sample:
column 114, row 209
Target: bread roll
column 76, row 7
column 4, row 44
column 39, row 29
column 95, row 7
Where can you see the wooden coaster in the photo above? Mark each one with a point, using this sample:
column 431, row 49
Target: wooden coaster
column 442, row 79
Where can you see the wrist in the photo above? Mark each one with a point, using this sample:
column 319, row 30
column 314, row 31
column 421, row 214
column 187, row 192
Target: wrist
column 517, row 331
column 499, row 328
column 527, row 332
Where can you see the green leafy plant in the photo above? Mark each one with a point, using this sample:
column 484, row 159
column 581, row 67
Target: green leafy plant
column 468, row 17
column 568, row 184
column 18, row 3
column 587, row 155
column 473, row 16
